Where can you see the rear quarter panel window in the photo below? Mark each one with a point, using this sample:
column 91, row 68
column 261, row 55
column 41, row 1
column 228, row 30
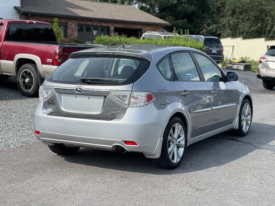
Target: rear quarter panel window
column 165, row 68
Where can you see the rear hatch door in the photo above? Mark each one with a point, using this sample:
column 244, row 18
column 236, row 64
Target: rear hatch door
column 213, row 46
column 93, row 86
column 270, row 59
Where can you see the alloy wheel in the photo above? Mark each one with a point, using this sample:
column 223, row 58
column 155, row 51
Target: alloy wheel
column 176, row 143
column 246, row 117
column 26, row 80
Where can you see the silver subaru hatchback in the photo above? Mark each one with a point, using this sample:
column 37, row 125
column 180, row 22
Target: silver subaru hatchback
column 155, row 100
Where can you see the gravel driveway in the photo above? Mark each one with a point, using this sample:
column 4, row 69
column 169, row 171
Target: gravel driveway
column 221, row 170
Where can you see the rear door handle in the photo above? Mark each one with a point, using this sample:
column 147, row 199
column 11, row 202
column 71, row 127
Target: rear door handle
column 214, row 92
column 184, row 93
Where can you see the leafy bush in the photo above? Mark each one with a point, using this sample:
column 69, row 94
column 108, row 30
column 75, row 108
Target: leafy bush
column 173, row 41
column 57, row 30
column 78, row 41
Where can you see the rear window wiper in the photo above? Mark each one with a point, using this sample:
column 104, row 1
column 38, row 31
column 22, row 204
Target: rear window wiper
column 98, row 81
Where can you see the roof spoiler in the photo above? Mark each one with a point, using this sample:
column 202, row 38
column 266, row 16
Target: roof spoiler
column 146, row 56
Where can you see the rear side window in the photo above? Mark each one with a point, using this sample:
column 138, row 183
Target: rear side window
column 184, row 67
column 212, row 42
column 146, row 36
column 101, row 70
column 165, row 68
column 30, row 33
column 271, row 52
column 0, row 26
column 155, row 36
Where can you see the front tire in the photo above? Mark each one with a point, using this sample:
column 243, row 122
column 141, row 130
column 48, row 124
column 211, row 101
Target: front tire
column 61, row 149
column 174, row 145
column 245, row 119
column 268, row 85
column 27, row 80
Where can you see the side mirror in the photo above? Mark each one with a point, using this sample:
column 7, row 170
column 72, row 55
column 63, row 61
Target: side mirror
column 232, row 76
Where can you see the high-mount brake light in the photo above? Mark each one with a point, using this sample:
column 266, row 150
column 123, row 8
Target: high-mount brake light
column 262, row 59
column 57, row 56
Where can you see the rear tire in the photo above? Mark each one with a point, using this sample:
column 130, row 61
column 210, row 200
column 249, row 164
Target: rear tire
column 173, row 146
column 27, row 80
column 61, row 149
column 268, row 85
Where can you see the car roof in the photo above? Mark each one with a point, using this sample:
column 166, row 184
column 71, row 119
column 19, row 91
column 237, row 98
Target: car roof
column 144, row 51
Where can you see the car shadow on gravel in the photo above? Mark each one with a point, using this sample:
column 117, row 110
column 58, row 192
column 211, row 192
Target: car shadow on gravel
column 9, row 90
column 212, row 152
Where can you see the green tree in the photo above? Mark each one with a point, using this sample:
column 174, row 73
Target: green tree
column 57, row 30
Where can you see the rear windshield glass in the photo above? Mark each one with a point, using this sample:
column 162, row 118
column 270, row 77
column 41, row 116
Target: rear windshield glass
column 212, row 42
column 30, row 33
column 271, row 52
column 103, row 70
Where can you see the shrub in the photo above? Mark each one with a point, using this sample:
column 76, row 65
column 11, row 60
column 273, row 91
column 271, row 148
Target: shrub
column 173, row 41
column 57, row 30
column 78, row 41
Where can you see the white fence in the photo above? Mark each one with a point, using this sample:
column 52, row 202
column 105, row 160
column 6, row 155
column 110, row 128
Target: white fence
column 252, row 48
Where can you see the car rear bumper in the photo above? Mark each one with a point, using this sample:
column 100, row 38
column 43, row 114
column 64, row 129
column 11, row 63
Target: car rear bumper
column 265, row 77
column 266, row 74
column 143, row 125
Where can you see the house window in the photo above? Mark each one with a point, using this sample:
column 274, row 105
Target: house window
column 63, row 28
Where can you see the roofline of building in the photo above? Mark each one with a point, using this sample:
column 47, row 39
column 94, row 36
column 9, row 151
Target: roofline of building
column 19, row 11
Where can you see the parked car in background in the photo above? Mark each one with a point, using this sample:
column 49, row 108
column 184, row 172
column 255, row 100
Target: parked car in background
column 213, row 46
column 30, row 51
column 156, row 100
column 157, row 35
column 266, row 69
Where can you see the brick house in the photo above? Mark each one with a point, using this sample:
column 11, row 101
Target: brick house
column 84, row 19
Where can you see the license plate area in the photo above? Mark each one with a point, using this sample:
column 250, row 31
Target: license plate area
column 214, row 51
column 271, row 65
column 82, row 103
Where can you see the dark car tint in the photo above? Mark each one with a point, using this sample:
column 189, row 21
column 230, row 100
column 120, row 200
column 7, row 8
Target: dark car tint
column 100, row 70
column 212, row 42
column 30, row 33
column 271, row 52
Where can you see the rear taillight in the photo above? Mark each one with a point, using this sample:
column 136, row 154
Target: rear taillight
column 44, row 92
column 262, row 59
column 140, row 99
column 57, row 56
column 134, row 99
column 37, row 132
